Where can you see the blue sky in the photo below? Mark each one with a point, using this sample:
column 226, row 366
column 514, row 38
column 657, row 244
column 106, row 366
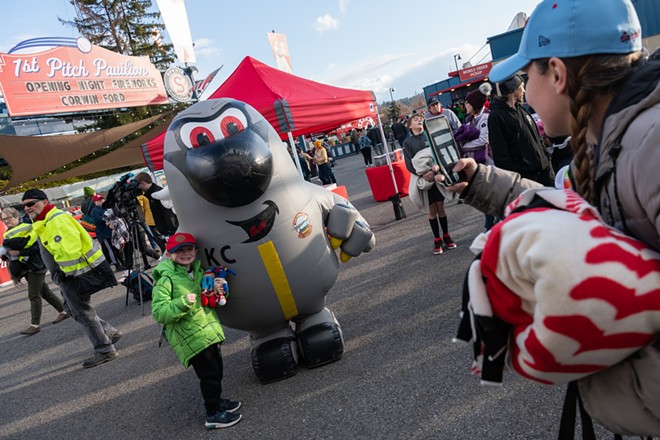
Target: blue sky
column 370, row 45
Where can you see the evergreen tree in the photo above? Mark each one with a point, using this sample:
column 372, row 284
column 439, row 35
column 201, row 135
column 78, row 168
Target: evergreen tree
column 123, row 26
column 393, row 111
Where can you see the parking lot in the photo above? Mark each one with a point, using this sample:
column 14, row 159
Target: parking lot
column 401, row 376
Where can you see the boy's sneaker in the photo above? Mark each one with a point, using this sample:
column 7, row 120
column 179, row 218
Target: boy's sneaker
column 222, row 419
column 437, row 246
column 100, row 358
column 229, row 406
column 449, row 242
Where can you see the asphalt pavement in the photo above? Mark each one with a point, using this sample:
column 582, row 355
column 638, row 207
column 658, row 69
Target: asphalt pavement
column 401, row 376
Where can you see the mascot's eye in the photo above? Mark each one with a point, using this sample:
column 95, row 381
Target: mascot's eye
column 197, row 133
column 232, row 121
column 201, row 136
column 231, row 125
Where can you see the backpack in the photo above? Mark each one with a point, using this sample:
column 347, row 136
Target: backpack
column 131, row 283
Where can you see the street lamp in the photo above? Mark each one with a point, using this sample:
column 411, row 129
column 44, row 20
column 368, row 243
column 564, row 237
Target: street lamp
column 391, row 90
column 456, row 58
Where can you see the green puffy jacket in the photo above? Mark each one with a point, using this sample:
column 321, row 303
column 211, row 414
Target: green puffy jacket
column 189, row 328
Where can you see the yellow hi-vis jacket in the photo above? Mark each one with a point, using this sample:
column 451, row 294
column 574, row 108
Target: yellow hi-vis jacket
column 66, row 240
column 21, row 230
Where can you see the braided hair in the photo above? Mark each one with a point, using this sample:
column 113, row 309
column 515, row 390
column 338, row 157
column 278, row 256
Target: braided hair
column 590, row 77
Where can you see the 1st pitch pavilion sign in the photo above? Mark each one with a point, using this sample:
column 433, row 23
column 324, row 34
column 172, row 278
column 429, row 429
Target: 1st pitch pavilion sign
column 66, row 79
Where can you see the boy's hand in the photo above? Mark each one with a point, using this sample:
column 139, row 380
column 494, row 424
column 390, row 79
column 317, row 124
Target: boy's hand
column 191, row 298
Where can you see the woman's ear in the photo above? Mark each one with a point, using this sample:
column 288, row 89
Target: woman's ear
column 557, row 69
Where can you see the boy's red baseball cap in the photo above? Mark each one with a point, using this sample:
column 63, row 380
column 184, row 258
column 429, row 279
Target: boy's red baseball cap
column 178, row 240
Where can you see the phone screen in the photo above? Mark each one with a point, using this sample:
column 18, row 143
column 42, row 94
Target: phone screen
column 444, row 148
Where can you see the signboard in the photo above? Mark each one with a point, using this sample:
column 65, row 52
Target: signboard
column 178, row 85
column 74, row 79
column 473, row 72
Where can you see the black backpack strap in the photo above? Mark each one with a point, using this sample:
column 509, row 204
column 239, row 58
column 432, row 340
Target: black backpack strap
column 569, row 415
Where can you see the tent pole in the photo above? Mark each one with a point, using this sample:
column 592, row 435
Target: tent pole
column 294, row 150
column 399, row 213
column 387, row 152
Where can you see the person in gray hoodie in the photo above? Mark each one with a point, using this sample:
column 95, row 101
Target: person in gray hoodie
column 594, row 84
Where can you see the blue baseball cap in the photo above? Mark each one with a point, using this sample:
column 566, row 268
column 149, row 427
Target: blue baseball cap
column 571, row 28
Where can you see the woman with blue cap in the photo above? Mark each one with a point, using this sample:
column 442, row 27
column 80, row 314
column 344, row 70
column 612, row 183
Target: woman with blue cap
column 588, row 78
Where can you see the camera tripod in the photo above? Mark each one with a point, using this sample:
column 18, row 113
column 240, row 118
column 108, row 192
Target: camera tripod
column 133, row 259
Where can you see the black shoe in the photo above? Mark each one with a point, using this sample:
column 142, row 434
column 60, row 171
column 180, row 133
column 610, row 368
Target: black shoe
column 222, row 419
column 100, row 358
column 229, row 406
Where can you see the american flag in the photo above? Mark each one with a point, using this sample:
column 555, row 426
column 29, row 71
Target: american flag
column 202, row 84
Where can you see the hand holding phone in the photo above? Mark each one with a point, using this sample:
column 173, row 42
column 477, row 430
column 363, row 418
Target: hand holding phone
column 444, row 148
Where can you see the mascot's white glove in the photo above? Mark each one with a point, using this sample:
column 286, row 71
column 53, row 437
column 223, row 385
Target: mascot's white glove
column 164, row 196
column 348, row 231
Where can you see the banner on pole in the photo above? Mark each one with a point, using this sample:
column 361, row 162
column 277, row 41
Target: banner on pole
column 281, row 51
column 176, row 22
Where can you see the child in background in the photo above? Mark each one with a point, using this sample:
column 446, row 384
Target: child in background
column 194, row 332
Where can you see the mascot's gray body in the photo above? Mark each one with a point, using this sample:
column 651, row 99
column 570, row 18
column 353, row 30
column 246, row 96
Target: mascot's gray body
column 236, row 189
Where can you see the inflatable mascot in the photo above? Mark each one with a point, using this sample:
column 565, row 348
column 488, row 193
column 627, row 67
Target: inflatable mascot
column 237, row 190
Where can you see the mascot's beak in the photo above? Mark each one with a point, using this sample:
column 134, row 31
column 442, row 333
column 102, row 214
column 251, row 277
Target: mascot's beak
column 234, row 171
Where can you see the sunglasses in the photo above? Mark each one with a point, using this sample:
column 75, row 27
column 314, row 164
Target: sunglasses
column 30, row 204
column 6, row 219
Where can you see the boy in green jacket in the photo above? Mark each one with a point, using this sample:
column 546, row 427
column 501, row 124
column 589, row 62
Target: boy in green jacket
column 194, row 332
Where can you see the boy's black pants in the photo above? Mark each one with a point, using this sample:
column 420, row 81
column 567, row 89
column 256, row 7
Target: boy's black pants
column 208, row 367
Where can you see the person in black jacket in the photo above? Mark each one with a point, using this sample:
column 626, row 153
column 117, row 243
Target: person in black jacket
column 513, row 136
column 21, row 250
column 376, row 140
column 400, row 130
column 165, row 219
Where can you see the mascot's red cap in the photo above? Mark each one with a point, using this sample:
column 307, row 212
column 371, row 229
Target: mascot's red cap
column 178, row 240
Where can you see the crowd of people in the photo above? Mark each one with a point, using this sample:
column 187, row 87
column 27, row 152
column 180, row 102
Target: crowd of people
column 595, row 101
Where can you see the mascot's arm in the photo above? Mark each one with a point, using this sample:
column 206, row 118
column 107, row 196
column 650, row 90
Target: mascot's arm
column 164, row 308
column 346, row 227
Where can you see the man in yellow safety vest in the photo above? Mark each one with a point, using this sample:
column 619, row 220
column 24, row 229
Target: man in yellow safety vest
column 78, row 266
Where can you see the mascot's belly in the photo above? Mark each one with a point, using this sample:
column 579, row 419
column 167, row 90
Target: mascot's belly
column 278, row 248
column 279, row 277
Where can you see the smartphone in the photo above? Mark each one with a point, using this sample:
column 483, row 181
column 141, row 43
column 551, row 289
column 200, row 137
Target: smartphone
column 444, row 148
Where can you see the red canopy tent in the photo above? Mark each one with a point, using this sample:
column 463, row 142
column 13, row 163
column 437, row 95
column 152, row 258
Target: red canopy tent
column 291, row 104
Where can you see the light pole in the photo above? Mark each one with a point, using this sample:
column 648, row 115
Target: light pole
column 391, row 96
column 456, row 58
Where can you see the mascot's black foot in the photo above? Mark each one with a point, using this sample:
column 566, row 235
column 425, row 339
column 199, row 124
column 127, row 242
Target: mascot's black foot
column 275, row 359
column 320, row 340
